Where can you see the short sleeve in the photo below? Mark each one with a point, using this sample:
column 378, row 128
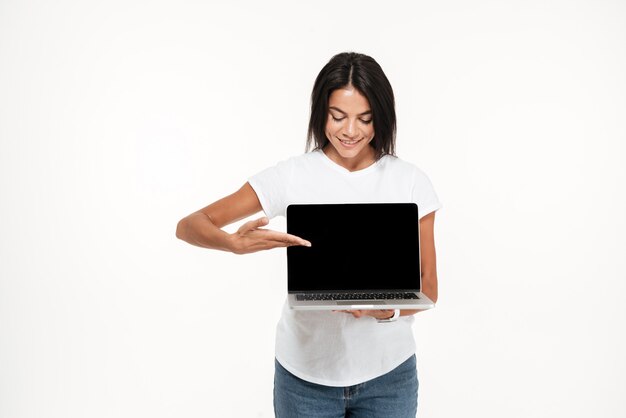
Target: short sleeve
column 424, row 194
column 270, row 186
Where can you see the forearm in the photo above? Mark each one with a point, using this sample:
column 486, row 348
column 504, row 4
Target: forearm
column 197, row 229
column 429, row 288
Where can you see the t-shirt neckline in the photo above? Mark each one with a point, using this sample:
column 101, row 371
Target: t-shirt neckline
column 344, row 170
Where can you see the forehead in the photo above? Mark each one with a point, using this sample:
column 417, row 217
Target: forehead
column 349, row 100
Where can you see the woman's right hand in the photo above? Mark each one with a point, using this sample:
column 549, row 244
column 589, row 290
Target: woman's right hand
column 250, row 238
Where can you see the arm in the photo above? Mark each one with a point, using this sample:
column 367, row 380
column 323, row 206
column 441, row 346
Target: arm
column 428, row 261
column 203, row 227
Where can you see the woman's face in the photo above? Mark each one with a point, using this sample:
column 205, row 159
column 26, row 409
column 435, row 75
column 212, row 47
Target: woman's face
column 349, row 127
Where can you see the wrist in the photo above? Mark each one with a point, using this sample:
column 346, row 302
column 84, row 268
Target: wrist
column 230, row 243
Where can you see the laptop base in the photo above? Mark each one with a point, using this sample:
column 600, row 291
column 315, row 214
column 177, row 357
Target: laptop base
column 422, row 303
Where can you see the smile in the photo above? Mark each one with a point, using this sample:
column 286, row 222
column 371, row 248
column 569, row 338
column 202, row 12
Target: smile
column 349, row 142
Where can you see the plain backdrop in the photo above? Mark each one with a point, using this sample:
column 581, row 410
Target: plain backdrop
column 119, row 118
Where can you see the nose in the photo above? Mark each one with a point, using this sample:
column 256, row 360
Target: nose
column 350, row 130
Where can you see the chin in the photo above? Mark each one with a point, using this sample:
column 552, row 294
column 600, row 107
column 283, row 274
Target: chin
column 349, row 153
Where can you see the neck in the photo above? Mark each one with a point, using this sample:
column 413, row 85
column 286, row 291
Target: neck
column 359, row 162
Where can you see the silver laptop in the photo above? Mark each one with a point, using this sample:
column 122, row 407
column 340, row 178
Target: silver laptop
column 362, row 256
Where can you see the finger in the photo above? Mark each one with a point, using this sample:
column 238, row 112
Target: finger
column 285, row 238
column 269, row 244
column 262, row 221
column 256, row 244
column 380, row 313
column 256, row 223
column 289, row 238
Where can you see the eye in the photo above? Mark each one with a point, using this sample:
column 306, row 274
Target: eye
column 366, row 121
column 335, row 119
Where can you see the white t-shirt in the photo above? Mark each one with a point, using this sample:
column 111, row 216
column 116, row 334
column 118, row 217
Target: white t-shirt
column 334, row 348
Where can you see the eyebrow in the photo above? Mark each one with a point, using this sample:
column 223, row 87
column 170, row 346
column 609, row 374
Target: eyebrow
column 339, row 110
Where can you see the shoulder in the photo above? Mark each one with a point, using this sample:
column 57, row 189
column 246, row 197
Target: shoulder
column 285, row 167
column 299, row 158
column 403, row 167
column 293, row 160
column 300, row 163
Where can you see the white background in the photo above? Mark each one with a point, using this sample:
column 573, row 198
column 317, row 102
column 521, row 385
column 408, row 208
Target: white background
column 119, row 118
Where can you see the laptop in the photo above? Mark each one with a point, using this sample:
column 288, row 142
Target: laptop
column 362, row 256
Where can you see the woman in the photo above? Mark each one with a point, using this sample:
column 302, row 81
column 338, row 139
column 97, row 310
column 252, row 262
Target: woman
column 342, row 363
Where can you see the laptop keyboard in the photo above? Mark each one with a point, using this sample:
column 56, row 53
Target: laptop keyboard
column 355, row 296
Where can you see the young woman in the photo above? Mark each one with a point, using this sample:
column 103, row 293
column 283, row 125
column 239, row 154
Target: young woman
column 342, row 363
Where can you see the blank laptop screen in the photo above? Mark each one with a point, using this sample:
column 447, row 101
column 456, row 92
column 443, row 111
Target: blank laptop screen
column 356, row 246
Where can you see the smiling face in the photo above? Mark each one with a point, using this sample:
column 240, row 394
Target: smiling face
column 350, row 129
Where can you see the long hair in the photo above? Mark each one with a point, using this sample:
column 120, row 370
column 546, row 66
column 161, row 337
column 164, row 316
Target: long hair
column 365, row 75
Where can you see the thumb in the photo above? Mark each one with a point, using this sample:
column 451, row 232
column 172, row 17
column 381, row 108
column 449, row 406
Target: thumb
column 256, row 223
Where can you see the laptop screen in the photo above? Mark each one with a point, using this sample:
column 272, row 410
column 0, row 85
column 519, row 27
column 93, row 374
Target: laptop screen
column 354, row 246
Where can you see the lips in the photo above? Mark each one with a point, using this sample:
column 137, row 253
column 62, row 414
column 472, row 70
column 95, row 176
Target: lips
column 349, row 144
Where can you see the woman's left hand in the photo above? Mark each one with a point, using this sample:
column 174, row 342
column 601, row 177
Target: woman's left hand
column 375, row 313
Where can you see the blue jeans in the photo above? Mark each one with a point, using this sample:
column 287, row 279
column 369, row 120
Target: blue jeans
column 392, row 395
